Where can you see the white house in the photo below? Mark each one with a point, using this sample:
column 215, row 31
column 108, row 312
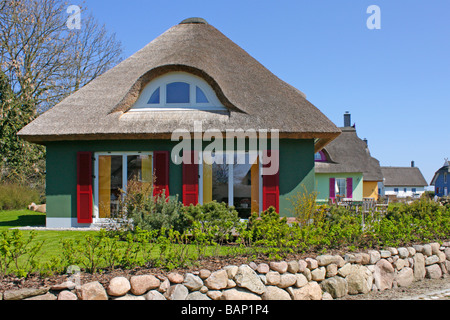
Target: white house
column 402, row 182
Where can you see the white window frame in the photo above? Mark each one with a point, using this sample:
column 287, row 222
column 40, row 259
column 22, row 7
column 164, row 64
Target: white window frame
column 231, row 175
column 337, row 189
column 124, row 155
column 161, row 83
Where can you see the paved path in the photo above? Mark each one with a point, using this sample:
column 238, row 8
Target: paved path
column 435, row 295
column 427, row 289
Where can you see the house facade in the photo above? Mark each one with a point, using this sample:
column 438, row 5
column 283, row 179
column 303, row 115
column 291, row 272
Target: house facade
column 191, row 113
column 441, row 180
column 402, row 182
column 345, row 169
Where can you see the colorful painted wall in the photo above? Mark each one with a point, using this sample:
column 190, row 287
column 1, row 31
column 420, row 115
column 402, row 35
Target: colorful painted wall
column 442, row 184
column 296, row 169
column 323, row 185
column 370, row 189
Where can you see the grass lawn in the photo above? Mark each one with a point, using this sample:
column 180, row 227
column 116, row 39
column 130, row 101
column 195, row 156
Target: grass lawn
column 52, row 239
column 20, row 218
column 24, row 218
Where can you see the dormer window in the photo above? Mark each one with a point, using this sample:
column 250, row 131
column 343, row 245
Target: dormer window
column 200, row 96
column 154, row 99
column 320, row 157
column 177, row 91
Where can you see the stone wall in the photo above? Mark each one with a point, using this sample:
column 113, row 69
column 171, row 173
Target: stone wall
column 319, row 278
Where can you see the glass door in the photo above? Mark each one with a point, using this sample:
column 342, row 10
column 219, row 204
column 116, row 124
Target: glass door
column 233, row 179
column 113, row 172
column 110, row 184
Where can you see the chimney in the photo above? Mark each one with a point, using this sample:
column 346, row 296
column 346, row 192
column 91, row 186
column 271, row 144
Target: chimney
column 347, row 119
column 412, row 164
column 367, row 142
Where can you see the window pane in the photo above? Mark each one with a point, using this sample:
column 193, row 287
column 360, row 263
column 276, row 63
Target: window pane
column 200, row 96
column 154, row 99
column 177, row 92
column 220, row 180
column 341, row 187
column 139, row 168
column 242, row 186
column 255, row 187
column 110, row 183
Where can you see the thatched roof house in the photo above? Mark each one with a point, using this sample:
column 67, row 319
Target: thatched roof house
column 403, row 182
column 122, row 122
column 348, row 153
column 441, row 180
column 348, row 157
column 253, row 96
column 403, row 177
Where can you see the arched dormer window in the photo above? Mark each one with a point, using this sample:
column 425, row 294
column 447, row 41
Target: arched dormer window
column 177, row 91
column 320, row 157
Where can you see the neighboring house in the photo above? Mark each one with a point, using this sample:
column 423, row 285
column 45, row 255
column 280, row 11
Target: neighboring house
column 402, row 182
column 345, row 168
column 441, row 180
column 119, row 127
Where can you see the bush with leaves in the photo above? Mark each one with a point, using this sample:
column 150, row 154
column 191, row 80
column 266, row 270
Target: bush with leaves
column 140, row 208
column 217, row 219
column 269, row 229
column 164, row 213
column 17, row 196
column 304, row 206
column 14, row 246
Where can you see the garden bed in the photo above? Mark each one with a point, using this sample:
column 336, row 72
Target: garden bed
column 329, row 276
column 211, row 237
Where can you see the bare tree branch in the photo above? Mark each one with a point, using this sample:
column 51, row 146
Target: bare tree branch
column 43, row 60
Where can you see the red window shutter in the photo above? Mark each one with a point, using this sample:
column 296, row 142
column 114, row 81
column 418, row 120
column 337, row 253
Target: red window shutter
column 271, row 186
column 332, row 188
column 190, row 179
column 349, row 187
column 161, row 169
column 84, row 187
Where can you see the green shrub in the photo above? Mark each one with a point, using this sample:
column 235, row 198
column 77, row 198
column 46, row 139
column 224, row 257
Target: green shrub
column 13, row 247
column 163, row 213
column 141, row 209
column 217, row 219
column 269, row 229
column 422, row 220
column 304, row 206
column 16, row 196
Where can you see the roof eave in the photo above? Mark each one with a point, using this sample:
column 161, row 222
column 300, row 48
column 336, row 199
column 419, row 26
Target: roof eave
column 323, row 138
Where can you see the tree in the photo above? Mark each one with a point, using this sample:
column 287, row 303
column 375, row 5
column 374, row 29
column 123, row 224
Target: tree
column 19, row 160
column 42, row 62
column 43, row 59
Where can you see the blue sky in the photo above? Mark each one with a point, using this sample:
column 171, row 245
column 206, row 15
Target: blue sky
column 395, row 81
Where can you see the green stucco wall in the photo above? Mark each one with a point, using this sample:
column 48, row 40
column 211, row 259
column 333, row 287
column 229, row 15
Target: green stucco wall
column 323, row 185
column 296, row 169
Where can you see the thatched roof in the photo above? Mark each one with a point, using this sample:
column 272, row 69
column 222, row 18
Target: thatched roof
column 444, row 169
column 349, row 154
column 403, row 176
column 255, row 98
